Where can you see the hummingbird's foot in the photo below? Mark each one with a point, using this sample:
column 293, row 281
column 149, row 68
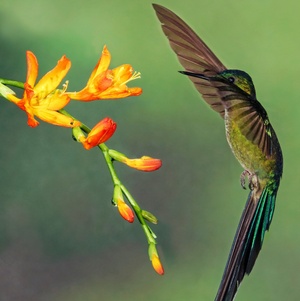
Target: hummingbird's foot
column 253, row 181
column 243, row 176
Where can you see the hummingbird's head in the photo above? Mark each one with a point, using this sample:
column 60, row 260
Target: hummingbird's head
column 237, row 79
column 240, row 79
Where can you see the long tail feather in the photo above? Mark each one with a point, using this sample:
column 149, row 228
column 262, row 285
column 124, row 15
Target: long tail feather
column 255, row 220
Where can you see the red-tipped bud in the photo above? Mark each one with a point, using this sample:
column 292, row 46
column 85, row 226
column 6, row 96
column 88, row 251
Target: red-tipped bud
column 157, row 266
column 159, row 269
column 125, row 211
column 100, row 133
column 144, row 163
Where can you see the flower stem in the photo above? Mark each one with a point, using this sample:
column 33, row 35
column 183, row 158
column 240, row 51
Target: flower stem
column 13, row 83
column 116, row 181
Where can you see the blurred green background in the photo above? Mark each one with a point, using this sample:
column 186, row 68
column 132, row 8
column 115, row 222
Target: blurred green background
column 60, row 237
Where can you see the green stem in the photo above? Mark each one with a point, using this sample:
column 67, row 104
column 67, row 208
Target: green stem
column 116, row 181
column 138, row 211
column 13, row 83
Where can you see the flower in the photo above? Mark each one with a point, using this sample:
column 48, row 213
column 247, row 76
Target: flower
column 43, row 100
column 108, row 84
column 144, row 163
column 100, row 133
column 125, row 211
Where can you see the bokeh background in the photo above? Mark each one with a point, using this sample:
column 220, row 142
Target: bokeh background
column 60, row 237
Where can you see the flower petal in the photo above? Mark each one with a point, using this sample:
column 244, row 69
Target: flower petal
column 101, row 66
column 57, row 101
column 121, row 92
column 50, row 81
column 32, row 68
column 56, row 118
column 122, row 73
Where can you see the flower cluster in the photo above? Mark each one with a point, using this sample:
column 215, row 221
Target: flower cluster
column 45, row 101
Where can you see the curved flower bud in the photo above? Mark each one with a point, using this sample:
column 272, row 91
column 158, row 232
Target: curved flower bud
column 144, row 163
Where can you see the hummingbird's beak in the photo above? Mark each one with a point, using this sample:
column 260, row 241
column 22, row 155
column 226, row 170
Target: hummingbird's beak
column 194, row 74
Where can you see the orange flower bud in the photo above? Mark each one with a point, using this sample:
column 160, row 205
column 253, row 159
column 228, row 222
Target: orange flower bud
column 157, row 265
column 125, row 211
column 155, row 259
column 100, row 133
column 144, row 163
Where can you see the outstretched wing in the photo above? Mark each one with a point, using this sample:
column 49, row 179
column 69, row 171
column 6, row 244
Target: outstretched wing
column 193, row 54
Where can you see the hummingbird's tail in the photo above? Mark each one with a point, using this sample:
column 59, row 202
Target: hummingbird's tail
column 255, row 220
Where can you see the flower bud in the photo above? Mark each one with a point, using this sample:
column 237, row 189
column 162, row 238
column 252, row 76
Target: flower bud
column 157, row 266
column 144, row 163
column 125, row 211
column 149, row 217
column 100, row 133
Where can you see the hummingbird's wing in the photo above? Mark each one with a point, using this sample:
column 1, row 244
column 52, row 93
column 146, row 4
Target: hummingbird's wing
column 193, row 54
column 251, row 117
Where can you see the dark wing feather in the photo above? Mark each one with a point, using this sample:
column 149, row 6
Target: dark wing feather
column 193, row 54
column 252, row 119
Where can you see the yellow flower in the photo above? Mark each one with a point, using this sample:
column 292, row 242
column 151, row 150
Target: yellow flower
column 43, row 100
column 108, row 84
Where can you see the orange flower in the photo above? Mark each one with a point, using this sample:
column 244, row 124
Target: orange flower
column 108, row 84
column 100, row 133
column 125, row 211
column 43, row 100
column 144, row 163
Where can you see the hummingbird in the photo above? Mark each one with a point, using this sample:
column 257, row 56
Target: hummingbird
column 249, row 133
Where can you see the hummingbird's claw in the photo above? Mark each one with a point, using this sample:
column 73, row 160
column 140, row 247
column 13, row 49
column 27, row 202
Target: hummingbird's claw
column 252, row 179
column 244, row 174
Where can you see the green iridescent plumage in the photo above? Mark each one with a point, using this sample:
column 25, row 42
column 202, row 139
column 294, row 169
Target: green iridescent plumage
column 249, row 133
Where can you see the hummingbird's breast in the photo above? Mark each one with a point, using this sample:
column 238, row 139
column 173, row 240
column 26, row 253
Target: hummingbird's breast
column 247, row 153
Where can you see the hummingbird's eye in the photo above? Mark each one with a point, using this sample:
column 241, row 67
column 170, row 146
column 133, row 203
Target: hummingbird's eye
column 231, row 79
